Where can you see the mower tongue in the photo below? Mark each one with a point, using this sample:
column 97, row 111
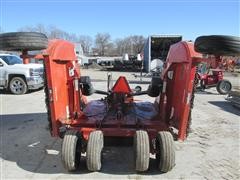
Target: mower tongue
column 121, row 86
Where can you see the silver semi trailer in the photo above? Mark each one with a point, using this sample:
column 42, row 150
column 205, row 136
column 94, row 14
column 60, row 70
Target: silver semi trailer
column 156, row 49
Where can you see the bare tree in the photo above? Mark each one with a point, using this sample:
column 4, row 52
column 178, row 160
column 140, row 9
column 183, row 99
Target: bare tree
column 86, row 42
column 52, row 32
column 41, row 28
column 111, row 49
column 38, row 28
column 131, row 45
column 26, row 29
column 102, row 41
column 137, row 43
column 56, row 33
column 121, row 46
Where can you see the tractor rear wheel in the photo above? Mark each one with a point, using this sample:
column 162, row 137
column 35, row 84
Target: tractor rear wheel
column 71, row 150
column 19, row 41
column 224, row 87
column 94, row 150
column 218, row 45
column 142, row 150
column 165, row 151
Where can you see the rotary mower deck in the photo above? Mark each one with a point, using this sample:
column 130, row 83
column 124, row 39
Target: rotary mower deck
column 84, row 125
column 83, row 130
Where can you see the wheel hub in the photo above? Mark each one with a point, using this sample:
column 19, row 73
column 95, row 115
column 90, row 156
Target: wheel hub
column 225, row 87
column 17, row 86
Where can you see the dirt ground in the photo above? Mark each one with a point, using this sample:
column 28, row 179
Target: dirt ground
column 27, row 151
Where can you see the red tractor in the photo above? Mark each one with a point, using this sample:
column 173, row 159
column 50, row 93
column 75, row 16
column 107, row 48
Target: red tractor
column 215, row 47
column 84, row 126
column 215, row 79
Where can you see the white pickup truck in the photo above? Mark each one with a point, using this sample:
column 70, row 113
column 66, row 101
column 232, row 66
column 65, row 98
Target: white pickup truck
column 18, row 77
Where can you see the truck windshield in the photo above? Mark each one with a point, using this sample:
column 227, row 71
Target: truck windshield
column 11, row 60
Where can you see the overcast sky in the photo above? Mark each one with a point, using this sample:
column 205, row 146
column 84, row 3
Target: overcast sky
column 121, row 18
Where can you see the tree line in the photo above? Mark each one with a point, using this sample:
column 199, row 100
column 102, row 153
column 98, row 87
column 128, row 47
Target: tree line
column 101, row 45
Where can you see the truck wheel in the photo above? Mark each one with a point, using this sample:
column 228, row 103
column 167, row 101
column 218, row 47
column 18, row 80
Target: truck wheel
column 142, row 150
column 218, row 45
column 18, row 85
column 94, row 150
column 71, row 150
column 165, row 154
column 18, row 41
column 224, row 87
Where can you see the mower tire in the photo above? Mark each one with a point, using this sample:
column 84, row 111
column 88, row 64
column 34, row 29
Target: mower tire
column 94, row 150
column 224, row 87
column 142, row 150
column 19, row 41
column 71, row 150
column 218, row 45
column 165, row 154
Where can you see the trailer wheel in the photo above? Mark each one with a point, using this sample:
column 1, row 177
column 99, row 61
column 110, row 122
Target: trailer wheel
column 142, row 150
column 71, row 150
column 224, row 87
column 94, row 150
column 218, row 45
column 18, row 41
column 165, row 151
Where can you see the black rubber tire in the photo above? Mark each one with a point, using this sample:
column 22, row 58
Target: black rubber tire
column 165, row 154
column 142, row 150
column 153, row 91
column 202, row 84
column 221, row 89
column 18, row 41
column 18, row 86
column 71, row 150
column 218, row 45
column 94, row 150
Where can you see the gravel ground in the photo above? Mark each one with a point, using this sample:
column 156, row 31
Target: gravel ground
column 28, row 151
